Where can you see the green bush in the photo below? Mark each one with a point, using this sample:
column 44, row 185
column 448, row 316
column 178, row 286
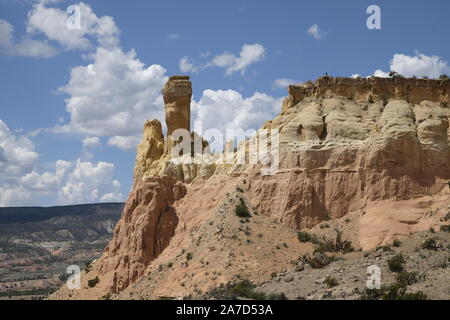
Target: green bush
column 318, row 260
column 396, row 243
column 93, row 282
column 244, row 289
column 331, row 282
column 242, row 210
column 405, row 278
column 398, row 292
column 430, row 244
column 306, row 237
column 396, row 263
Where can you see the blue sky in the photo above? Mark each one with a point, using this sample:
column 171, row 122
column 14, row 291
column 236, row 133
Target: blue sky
column 73, row 103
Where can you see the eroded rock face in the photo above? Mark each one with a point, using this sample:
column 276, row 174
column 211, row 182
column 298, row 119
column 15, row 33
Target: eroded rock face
column 146, row 227
column 150, row 149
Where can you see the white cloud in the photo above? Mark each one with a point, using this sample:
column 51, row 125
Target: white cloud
column 114, row 95
column 125, row 143
column 381, row 74
column 17, row 154
column 91, row 142
column 316, row 32
column 249, row 54
column 53, row 23
column 26, row 47
column 23, row 183
column 356, row 76
column 283, row 83
column 245, row 113
column 90, row 182
column 419, row 65
column 187, row 66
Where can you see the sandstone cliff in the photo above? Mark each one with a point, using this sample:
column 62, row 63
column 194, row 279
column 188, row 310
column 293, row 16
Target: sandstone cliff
column 376, row 150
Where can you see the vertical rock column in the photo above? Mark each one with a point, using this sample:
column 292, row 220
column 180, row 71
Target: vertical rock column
column 177, row 99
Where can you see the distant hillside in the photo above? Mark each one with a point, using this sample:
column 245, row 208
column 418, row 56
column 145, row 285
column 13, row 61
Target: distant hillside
column 37, row 244
column 32, row 214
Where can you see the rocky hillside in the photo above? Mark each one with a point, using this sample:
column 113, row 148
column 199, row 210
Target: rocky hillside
column 38, row 244
column 362, row 163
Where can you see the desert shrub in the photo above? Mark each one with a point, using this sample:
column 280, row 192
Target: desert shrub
column 396, row 243
column 87, row 267
column 244, row 289
column 370, row 100
column 385, row 248
column 430, row 244
column 325, row 246
column 331, row 282
column 342, row 246
column 397, row 291
column 445, row 228
column 396, row 263
column 189, row 256
column 317, row 260
column 304, row 236
column 338, row 245
column 242, row 210
column 394, row 74
column 432, row 230
column 444, row 104
column 406, row 278
column 93, row 282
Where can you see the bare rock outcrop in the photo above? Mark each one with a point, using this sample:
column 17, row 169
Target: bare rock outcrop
column 177, row 95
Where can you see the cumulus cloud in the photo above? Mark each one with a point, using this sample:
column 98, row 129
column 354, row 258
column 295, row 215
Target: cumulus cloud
column 17, row 154
column 113, row 95
column 245, row 113
column 249, row 54
column 419, row 65
column 283, row 83
column 91, row 142
column 52, row 22
column 125, row 143
column 89, row 182
column 187, row 66
column 316, row 32
column 22, row 181
column 26, row 47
